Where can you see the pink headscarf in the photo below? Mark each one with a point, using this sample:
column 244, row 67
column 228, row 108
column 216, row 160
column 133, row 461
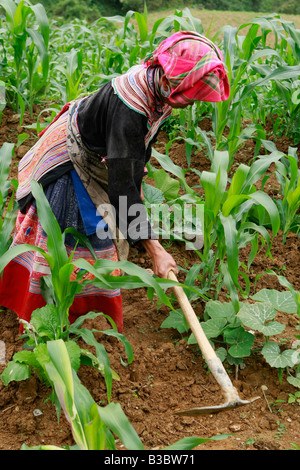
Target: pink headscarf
column 194, row 67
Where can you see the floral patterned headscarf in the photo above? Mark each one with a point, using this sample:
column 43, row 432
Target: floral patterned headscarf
column 194, row 67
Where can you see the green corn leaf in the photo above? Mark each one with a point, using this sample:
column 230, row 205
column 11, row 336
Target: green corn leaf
column 208, row 181
column 43, row 21
column 281, row 73
column 232, row 253
column 114, row 418
column 220, row 163
column 82, row 240
column 18, row 250
column 102, row 267
column 263, row 53
column 189, row 443
column 249, row 40
column 231, row 287
column 221, row 183
column 269, row 205
column 6, row 229
column 293, row 169
column 10, row 9
column 258, row 168
column 64, row 288
column 55, row 242
column 232, row 202
column 6, row 153
column 40, row 44
column 168, row 165
column 122, row 339
column 238, row 180
column 94, row 430
column 2, row 97
column 229, row 46
column 142, row 24
column 71, row 400
column 257, row 228
column 293, row 199
column 60, row 359
column 195, row 23
column 101, row 355
column 90, row 360
column 117, row 282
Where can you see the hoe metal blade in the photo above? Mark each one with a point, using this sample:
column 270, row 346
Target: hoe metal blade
column 208, row 410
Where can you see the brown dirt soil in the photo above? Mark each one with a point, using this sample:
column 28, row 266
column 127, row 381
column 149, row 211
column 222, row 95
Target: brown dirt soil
column 166, row 374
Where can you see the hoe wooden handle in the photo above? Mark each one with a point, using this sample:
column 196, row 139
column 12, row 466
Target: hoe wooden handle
column 213, row 361
column 192, row 320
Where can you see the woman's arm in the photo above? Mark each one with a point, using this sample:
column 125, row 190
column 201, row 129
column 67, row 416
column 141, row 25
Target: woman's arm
column 162, row 261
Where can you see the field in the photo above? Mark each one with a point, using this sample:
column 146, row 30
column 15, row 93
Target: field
column 243, row 284
column 214, row 20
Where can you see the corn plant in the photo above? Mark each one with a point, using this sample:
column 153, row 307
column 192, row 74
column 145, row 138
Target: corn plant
column 228, row 222
column 249, row 59
column 247, row 73
column 83, row 58
column 84, row 415
column 288, row 175
column 8, row 206
column 93, row 427
column 60, row 289
column 51, row 322
column 28, row 30
column 2, row 98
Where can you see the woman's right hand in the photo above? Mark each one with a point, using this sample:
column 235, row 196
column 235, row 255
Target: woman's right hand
column 162, row 261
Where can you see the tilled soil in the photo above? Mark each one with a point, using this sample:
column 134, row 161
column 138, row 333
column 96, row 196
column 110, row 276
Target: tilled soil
column 167, row 374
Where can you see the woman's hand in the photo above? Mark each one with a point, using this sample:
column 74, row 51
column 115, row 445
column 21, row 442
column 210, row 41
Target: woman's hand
column 162, row 261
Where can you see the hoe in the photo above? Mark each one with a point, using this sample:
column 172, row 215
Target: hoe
column 213, row 362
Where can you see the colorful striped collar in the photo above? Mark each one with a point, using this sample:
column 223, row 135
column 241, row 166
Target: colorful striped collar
column 138, row 89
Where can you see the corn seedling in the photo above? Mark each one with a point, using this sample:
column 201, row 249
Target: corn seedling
column 8, row 208
column 288, row 176
column 2, row 98
column 51, row 322
column 28, row 30
column 93, row 427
